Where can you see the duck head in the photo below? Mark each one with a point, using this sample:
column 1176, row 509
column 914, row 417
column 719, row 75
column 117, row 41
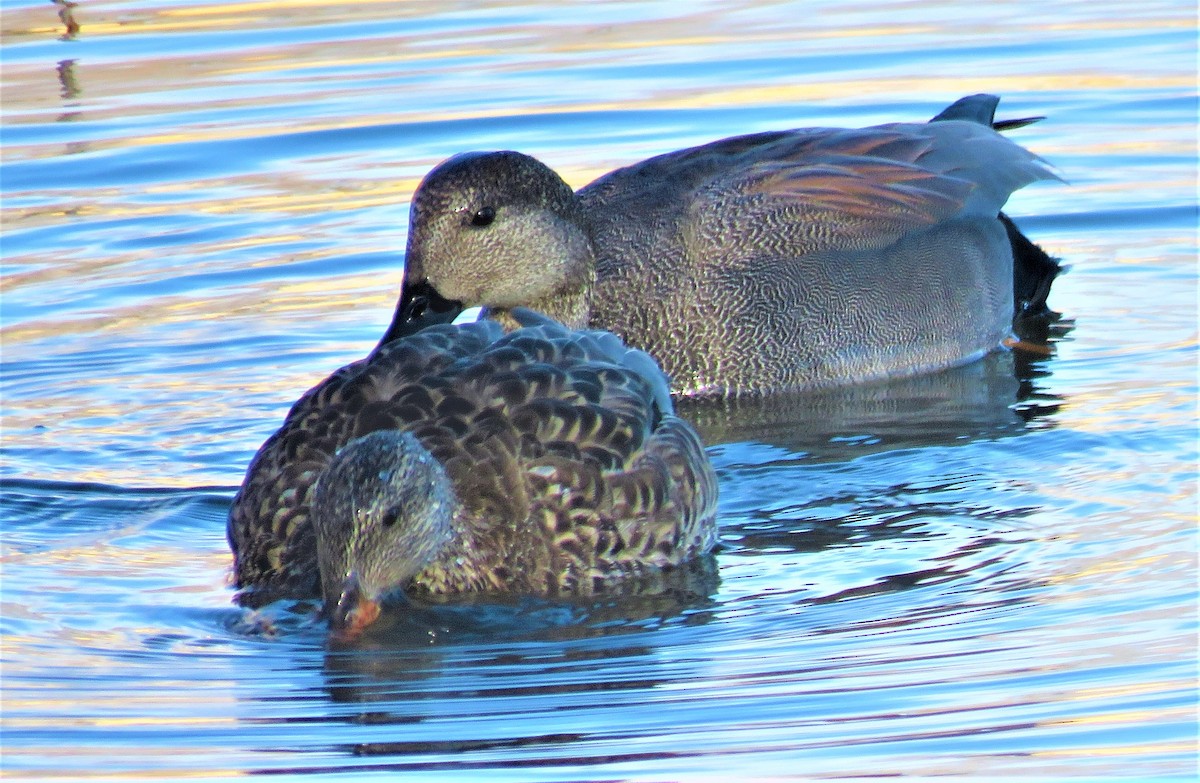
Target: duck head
column 383, row 510
column 496, row 230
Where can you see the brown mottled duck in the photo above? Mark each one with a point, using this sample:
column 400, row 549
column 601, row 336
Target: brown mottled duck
column 464, row 460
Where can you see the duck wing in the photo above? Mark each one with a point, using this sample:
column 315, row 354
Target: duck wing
column 793, row 193
column 860, row 189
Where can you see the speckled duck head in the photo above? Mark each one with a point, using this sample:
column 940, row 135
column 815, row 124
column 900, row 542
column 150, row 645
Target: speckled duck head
column 383, row 510
column 497, row 229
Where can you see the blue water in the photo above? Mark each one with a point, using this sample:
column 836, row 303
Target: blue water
column 990, row 572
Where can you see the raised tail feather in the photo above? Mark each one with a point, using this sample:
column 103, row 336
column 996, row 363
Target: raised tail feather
column 981, row 108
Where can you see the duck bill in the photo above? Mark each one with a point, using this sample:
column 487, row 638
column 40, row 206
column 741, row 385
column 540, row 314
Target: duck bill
column 420, row 306
column 354, row 611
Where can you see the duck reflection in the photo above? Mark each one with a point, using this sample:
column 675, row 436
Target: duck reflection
column 66, row 15
column 406, row 664
column 997, row 396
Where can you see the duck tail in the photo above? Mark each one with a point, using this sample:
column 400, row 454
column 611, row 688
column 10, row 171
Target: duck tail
column 981, row 108
column 1034, row 272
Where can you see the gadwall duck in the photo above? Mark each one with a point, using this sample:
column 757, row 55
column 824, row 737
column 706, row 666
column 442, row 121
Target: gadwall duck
column 463, row 460
column 772, row 262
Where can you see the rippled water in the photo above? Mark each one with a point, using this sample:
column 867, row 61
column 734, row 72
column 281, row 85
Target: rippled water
column 987, row 572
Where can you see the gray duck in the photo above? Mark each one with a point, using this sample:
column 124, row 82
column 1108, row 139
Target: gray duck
column 463, row 460
column 773, row 262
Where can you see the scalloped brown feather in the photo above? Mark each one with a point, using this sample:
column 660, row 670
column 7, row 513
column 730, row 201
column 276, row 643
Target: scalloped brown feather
column 569, row 474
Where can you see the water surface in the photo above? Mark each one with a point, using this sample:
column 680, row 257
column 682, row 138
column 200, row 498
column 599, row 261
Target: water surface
column 986, row 572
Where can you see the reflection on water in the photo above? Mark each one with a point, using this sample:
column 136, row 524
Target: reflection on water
column 990, row 398
column 989, row 571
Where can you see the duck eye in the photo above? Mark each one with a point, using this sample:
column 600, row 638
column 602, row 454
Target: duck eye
column 390, row 517
column 483, row 217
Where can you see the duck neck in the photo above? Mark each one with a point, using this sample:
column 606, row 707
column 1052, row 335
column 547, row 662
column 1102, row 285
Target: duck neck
column 572, row 307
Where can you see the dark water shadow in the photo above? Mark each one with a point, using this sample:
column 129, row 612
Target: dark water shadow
column 638, row 605
column 1000, row 395
column 424, row 687
column 40, row 513
column 415, row 654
